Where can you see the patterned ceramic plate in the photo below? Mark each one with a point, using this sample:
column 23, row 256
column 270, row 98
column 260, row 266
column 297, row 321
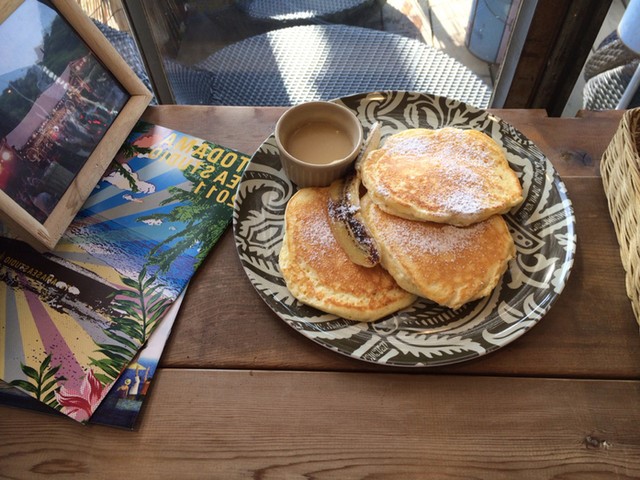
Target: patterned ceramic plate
column 424, row 334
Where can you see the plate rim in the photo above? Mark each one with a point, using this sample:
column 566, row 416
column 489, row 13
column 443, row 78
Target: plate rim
column 565, row 266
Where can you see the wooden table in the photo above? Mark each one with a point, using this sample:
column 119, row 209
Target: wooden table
column 242, row 395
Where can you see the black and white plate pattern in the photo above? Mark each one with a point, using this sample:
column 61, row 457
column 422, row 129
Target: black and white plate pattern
column 424, row 334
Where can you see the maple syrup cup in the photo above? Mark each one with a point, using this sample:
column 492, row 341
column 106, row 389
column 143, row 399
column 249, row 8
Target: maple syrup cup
column 318, row 142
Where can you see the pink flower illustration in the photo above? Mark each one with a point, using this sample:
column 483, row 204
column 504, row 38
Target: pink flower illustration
column 81, row 405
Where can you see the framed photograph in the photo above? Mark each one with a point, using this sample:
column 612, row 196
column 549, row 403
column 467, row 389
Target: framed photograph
column 67, row 103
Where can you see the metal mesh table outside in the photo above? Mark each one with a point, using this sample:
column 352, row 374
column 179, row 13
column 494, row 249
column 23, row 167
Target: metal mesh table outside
column 320, row 62
column 280, row 10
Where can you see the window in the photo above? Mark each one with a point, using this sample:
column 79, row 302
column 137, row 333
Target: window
column 501, row 53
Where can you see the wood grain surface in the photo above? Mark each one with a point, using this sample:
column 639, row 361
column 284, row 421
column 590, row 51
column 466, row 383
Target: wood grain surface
column 589, row 332
column 240, row 331
column 574, row 145
column 296, row 425
column 242, row 395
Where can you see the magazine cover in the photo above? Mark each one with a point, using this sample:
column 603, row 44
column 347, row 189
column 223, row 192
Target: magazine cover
column 75, row 318
column 122, row 406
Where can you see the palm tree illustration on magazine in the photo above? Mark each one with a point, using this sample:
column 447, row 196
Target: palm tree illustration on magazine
column 74, row 318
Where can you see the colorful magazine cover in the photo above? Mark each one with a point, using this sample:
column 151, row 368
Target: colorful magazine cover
column 74, row 318
column 121, row 407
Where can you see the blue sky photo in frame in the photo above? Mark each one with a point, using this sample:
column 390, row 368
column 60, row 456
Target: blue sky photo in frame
column 57, row 101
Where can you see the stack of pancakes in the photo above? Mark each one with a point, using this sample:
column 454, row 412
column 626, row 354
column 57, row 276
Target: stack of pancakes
column 433, row 204
column 319, row 273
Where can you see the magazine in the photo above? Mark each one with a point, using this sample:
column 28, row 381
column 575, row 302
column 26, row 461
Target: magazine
column 121, row 407
column 74, row 318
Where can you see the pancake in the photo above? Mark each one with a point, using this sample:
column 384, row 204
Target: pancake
column 318, row 272
column 447, row 175
column 443, row 263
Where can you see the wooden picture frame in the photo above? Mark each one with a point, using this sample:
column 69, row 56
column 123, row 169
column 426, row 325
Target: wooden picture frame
column 102, row 100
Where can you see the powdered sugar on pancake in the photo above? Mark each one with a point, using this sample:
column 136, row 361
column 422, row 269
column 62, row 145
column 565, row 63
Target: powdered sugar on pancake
column 312, row 231
column 449, row 164
column 448, row 175
column 431, row 238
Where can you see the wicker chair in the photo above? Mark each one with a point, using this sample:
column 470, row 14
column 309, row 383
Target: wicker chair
column 128, row 50
column 608, row 72
column 190, row 86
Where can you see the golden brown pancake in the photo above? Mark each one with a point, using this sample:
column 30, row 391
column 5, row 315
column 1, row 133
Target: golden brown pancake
column 443, row 263
column 447, row 175
column 318, row 272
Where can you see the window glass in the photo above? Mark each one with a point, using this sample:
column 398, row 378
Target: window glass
column 283, row 52
column 277, row 52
